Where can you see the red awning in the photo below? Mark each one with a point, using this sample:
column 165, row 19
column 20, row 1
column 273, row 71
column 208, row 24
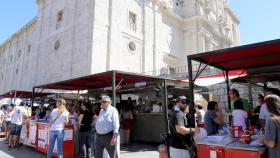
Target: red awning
column 22, row 94
column 100, row 80
column 242, row 57
column 216, row 78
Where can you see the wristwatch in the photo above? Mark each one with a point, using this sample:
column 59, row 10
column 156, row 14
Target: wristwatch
column 190, row 130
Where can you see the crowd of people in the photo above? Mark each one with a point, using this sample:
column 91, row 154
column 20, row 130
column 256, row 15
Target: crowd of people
column 264, row 117
column 84, row 115
column 96, row 126
column 12, row 117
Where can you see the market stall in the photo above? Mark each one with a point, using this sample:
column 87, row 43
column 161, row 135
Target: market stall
column 29, row 128
column 117, row 83
column 251, row 58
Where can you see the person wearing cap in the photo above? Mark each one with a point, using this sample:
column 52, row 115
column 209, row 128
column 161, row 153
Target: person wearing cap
column 181, row 131
column 107, row 128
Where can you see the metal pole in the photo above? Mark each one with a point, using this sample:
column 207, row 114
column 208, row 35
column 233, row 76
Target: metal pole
column 166, row 112
column 191, row 83
column 78, row 95
column 264, row 87
column 166, row 107
column 15, row 97
column 228, row 89
column 33, row 96
column 114, row 88
column 250, row 93
column 229, row 102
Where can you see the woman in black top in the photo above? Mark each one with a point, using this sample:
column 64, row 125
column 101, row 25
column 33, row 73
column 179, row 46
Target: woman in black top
column 85, row 120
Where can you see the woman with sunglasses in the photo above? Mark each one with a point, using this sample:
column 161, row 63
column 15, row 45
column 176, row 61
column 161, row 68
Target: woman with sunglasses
column 107, row 129
column 58, row 119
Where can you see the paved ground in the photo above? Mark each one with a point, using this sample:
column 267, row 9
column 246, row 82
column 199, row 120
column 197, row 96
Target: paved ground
column 138, row 150
column 23, row 152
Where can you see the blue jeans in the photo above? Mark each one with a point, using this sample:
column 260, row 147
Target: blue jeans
column 56, row 135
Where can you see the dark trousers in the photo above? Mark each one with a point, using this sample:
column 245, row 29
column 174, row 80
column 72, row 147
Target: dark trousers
column 104, row 141
column 85, row 144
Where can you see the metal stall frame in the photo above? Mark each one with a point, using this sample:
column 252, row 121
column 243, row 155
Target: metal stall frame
column 246, row 57
column 113, row 78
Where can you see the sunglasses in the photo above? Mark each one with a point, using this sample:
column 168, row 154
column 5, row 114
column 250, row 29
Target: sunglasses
column 183, row 102
column 103, row 101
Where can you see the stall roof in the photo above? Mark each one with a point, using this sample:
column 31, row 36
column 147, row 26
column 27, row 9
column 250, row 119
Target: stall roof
column 209, row 80
column 22, row 94
column 242, row 57
column 100, row 80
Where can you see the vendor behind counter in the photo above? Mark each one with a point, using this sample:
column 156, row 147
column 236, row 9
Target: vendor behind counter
column 212, row 121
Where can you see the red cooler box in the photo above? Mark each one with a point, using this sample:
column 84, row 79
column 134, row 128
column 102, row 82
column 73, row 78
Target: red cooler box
column 43, row 140
column 240, row 150
column 213, row 146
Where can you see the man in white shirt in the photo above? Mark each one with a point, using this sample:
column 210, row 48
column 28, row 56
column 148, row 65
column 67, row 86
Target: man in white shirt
column 1, row 117
column 264, row 114
column 19, row 114
column 107, row 129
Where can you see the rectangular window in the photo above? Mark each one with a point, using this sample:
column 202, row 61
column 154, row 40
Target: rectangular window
column 171, row 70
column 28, row 48
column 59, row 16
column 59, row 19
column 132, row 21
column 19, row 53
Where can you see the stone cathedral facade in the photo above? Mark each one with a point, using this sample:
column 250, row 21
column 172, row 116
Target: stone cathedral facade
column 73, row 38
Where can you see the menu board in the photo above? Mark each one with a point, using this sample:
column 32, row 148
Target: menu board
column 42, row 137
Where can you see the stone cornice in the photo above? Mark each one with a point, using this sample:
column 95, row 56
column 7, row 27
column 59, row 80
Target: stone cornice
column 231, row 13
column 204, row 21
column 25, row 27
column 169, row 11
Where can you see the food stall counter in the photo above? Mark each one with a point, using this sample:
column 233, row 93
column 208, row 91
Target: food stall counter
column 238, row 150
column 213, row 146
column 220, row 141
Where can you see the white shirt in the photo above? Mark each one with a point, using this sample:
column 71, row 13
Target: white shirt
column 18, row 114
column 156, row 108
column 8, row 116
column 202, row 113
column 239, row 118
column 1, row 115
column 264, row 114
column 58, row 124
column 107, row 121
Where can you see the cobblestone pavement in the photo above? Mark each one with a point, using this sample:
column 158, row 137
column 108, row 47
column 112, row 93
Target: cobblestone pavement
column 138, row 150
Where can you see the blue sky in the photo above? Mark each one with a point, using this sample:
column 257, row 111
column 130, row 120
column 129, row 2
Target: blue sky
column 259, row 19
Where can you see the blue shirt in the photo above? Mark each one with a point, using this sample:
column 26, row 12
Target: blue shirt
column 107, row 121
column 210, row 126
